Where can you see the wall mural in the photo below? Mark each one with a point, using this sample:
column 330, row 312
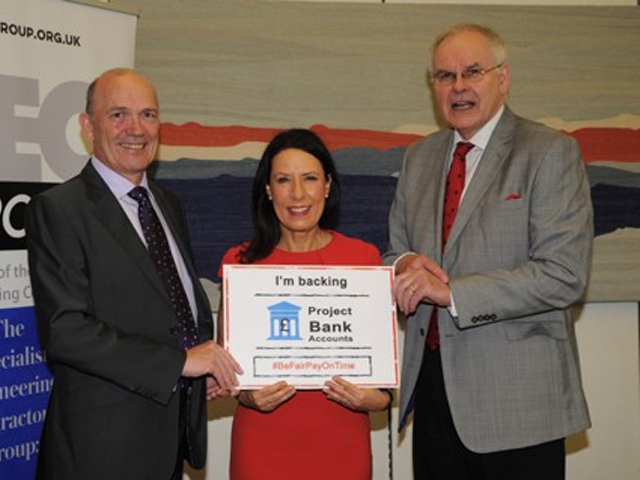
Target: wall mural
column 355, row 74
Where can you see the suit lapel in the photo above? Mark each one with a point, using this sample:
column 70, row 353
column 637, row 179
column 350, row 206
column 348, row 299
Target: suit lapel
column 106, row 210
column 489, row 167
column 428, row 210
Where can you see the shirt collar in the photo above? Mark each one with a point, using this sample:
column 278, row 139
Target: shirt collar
column 482, row 136
column 118, row 185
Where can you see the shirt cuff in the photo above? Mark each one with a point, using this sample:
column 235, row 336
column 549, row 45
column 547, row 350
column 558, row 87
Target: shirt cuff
column 395, row 263
column 452, row 307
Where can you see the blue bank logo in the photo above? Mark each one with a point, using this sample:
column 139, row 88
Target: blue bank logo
column 284, row 320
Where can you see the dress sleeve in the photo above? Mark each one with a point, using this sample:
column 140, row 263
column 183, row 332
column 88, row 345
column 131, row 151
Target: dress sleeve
column 376, row 259
column 231, row 257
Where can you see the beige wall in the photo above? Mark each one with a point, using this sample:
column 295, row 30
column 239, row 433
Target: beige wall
column 483, row 2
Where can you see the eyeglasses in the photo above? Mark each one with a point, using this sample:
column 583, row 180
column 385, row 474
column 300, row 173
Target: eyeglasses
column 471, row 75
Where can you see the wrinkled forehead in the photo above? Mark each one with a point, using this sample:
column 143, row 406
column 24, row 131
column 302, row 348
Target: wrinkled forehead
column 462, row 50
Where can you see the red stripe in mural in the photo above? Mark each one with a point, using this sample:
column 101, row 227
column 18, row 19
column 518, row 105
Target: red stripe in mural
column 616, row 144
column 196, row 135
column 619, row 144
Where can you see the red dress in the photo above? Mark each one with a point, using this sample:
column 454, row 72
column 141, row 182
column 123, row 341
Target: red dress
column 309, row 437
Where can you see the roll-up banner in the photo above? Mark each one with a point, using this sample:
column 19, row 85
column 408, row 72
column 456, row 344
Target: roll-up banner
column 50, row 50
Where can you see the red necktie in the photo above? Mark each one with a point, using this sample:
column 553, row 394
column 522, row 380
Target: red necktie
column 452, row 195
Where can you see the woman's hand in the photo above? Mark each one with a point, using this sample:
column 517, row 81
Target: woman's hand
column 214, row 391
column 267, row 398
column 356, row 398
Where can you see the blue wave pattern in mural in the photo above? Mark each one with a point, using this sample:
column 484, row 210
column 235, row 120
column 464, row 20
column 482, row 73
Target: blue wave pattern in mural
column 217, row 199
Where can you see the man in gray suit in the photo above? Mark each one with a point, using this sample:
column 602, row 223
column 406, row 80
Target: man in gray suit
column 490, row 364
column 129, row 398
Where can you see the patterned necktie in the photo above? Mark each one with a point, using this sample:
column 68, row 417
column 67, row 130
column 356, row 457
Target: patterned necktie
column 452, row 195
column 158, row 248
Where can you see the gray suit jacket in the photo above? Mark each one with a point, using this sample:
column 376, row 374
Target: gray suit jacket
column 110, row 334
column 518, row 256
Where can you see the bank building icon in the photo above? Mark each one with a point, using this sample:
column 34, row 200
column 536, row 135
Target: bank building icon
column 284, row 318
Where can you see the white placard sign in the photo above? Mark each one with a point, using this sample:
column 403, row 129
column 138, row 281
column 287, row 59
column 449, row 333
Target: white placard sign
column 307, row 324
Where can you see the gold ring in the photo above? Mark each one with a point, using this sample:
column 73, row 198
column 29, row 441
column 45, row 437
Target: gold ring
column 412, row 288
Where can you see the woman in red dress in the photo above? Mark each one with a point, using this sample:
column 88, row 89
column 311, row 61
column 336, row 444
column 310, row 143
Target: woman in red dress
column 278, row 432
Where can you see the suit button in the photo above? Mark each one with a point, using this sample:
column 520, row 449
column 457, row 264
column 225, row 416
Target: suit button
column 174, row 331
column 422, row 332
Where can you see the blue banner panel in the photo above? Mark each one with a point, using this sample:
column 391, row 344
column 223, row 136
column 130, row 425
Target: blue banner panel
column 24, row 391
column 25, row 381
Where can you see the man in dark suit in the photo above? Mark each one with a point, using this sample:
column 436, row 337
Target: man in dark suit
column 129, row 398
column 490, row 364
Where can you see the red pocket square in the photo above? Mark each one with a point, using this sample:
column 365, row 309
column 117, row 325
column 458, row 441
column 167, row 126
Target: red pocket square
column 513, row 196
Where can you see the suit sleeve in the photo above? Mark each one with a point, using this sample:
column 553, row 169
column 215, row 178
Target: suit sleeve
column 72, row 331
column 551, row 271
column 398, row 230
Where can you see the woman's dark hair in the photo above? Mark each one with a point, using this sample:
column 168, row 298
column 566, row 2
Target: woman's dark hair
column 265, row 222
